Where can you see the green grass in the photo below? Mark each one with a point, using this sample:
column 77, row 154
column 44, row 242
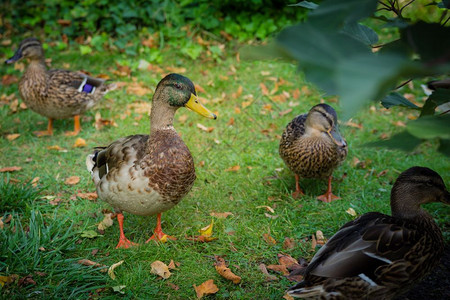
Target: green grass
column 251, row 142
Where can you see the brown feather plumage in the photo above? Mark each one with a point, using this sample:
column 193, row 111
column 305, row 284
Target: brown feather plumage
column 378, row 256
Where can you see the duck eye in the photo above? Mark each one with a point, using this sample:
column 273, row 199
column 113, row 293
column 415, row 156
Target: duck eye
column 178, row 86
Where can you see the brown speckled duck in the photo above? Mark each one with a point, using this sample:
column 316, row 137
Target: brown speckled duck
column 56, row 94
column 378, row 256
column 149, row 174
column 312, row 147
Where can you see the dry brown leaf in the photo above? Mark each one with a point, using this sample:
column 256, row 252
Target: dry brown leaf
column 382, row 173
column 10, row 169
column 100, row 122
column 72, row 180
column 106, row 222
column 111, row 269
column 269, row 277
column 269, row 239
column 264, row 89
column 35, row 181
column 230, row 122
column 224, row 271
column 233, row 169
column 87, row 262
column 176, row 69
column 313, row 242
column 12, row 137
column 279, row 268
column 204, row 128
column 172, row 265
column 238, row 93
column 79, row 142
column 88, row 196
column 353, row 124
column 138, row 89
column 268, row 208
column 6, row 279
column 223, row 215
column 159, row 268
column 289, row 243
column 287, row 260
column 9, row 79
column 284, row 112
column 173, row 286
column 206, row 288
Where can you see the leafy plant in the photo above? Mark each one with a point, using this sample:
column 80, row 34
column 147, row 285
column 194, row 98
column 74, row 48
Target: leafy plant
column 339, row 55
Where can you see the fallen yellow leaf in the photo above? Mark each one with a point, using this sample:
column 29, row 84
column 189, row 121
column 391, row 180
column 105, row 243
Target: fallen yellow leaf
column 111, row 269
column 351, row 212
column 79, row 142
column 207, row 230
column 206, row 288
column 233, row 169
column 159, row 268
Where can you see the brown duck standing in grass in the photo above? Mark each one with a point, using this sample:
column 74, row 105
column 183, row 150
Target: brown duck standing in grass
column 378, row 256
column 149, row 174
column 56, row 94
column 312, row 147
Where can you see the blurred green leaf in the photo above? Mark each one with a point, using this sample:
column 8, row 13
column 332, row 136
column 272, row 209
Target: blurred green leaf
column 361, row 32
column 429, row 127
column 401, row 141
column 394, row 99
column 90, row 234
column 306, row 4
column 438, row 97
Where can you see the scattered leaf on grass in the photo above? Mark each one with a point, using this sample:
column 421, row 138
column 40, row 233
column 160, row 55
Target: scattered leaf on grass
column 72, row 180
column 233, row 169
column 100, row 122
column 287, row 260
column 10, row 169
column 12, row 137
column 173, row 286
column 57, row 148
column 351, row 212
column 289, row 243
column 224, row 271
column 106, row 222
column 26, row 280
column 159, row 268
column 9, row 79
column 207, row 230
column 269, row 239
column 269, row 277
column 268, row 208
column 321, row 240
column 264, row 89
column 138, row 89
column 90, row 234
column 111, row 269
column 223, row 215
column 172, row 265
column 79, row 142
column 6, row 279
column 204, row 128
column 279, row 268
column 88, row 196
column 119, row 289
column 206, row 288
column 87, row 262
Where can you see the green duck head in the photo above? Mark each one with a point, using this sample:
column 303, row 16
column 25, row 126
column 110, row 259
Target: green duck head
column 323, row 119
column 178, row 91
column 29, row 48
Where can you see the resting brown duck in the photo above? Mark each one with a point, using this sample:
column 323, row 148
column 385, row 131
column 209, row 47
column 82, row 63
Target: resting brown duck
column 149, row 174
column 312, row 147
column 378, row 256
column 56, row 94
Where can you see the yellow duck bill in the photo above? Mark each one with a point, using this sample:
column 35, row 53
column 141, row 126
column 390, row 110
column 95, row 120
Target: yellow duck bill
column 196, row 106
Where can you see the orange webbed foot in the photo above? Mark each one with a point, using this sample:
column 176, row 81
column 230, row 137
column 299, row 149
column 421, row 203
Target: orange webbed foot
column 125, row 243
column 328, row 197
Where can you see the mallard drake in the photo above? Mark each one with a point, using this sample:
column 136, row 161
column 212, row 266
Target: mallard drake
column 149, row 174
column 56, row 94
column 377, row 256
column 312, row 147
